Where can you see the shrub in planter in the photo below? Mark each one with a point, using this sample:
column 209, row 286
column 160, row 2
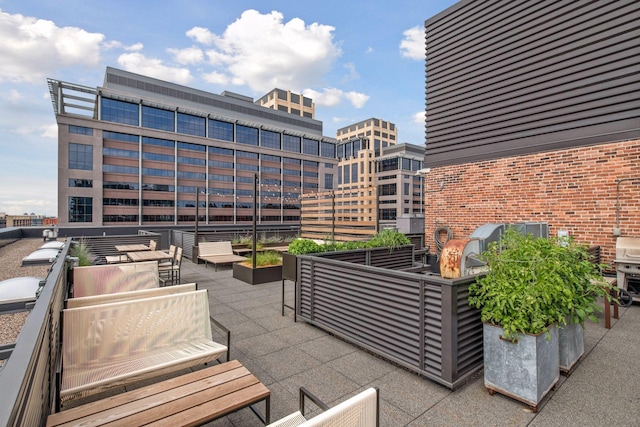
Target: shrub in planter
column 533, row 284
column 80, row 250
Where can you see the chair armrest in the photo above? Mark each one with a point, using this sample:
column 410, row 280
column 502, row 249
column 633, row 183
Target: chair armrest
column 315, row 399
column 227, row 333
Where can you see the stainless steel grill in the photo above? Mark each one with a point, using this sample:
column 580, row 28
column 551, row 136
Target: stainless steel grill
column 628, row 264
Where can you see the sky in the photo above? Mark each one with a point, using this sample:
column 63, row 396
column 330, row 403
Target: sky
column 355, row 59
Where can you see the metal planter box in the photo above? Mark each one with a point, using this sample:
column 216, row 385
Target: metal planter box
column 525, row 370
column 255, row 276
column 420, row 321
column 571, row 343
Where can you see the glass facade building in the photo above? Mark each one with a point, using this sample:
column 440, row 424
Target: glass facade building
column 150, row 149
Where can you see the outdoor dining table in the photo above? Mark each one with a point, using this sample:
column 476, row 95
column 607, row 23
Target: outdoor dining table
column 138, row 256
column 132, row 248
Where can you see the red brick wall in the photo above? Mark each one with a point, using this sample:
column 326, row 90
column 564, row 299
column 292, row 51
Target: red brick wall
column 572, row 189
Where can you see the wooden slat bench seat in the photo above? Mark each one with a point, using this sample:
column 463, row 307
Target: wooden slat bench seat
column 218, row 253
column 186, row 400
column 111, row 278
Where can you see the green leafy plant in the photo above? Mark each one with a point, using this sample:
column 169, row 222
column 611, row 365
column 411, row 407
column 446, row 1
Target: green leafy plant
column 304, row 246
column 265, row 258
column 80, row 250
column 533, row 283
column 389, row 238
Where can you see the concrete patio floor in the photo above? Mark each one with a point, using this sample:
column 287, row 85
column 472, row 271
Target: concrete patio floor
column 604, row 389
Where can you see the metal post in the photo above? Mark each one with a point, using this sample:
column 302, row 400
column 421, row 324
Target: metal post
column 196, row 249
column 255, row 214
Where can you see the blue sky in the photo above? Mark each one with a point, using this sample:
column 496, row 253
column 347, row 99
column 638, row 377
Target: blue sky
column 355, row 59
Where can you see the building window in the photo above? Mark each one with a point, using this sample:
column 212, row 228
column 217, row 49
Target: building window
column 389, row 164
column 328, row 181
column 120, row 136
column 80, row 183
column 165, row 173
column 157, row 141
column 269, row 139
column 182, row 160
column 80, row 130
column 191, row 125
column 406, row 188
column 327, row 149
column 119, row 112
column 80, row 156
column 388, row 214
column 387, row 190
column 291, row 143
column 220, row 130
column 246, row 135
column 157, row 118
column 80, row 209
column 192, row 147
column 406, row 164
column 354, row 173
column 311, row 146
column 119, row 152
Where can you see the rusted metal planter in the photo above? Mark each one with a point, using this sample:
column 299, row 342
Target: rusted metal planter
column 526, row 369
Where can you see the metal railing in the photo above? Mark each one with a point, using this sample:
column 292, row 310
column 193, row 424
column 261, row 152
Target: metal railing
column 27, row 379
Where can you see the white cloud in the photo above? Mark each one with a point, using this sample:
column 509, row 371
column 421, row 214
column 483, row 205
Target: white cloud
column 201, row 35
column 413, row 45
column 138, row 63
column 190, row 55
column 216, row 78
column 357, row 99
column 419, row 118
column 15, row 96
column 33, row 48
column 369, row 50
column 263, row 51
column 331, row 97
column 50, row 131
column 352, row 74
column 114, row 44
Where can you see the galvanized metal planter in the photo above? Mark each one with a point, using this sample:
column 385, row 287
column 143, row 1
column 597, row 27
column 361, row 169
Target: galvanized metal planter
column 526, row 369
column 571, row 344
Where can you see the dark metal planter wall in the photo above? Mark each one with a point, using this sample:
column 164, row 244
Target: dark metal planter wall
column 394, row 259
column 420, row 321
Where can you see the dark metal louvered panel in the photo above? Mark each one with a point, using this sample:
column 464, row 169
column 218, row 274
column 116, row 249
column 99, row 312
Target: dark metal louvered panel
column 409, row 318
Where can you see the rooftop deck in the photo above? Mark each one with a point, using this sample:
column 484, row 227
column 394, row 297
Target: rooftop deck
column 284, row 355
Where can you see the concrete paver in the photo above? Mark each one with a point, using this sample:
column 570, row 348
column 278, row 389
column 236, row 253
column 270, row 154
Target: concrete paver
column 604, row 389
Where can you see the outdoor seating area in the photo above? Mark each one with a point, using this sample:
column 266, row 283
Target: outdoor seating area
column 274, row 357
column 218, row 253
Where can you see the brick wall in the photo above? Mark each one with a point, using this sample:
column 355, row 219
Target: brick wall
column 572, row 189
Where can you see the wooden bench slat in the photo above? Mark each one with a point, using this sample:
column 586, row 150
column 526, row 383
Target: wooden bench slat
column 226, row 405
column 140, row 393
column 188, row 399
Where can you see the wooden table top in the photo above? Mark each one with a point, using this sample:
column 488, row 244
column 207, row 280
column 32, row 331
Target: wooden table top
column 190, row 399
column 132, row 248
column 148, row 256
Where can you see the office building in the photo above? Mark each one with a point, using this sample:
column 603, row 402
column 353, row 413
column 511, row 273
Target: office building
column 139, row 151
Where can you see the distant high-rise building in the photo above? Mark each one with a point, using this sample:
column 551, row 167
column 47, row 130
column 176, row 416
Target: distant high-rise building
column 369, row 156
column 288, row 102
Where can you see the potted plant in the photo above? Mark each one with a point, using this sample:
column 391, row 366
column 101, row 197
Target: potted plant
column 268, row 268
column 532, row 285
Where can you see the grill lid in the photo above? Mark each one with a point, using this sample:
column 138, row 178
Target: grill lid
column 628, row 249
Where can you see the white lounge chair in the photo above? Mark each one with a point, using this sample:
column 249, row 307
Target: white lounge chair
column 361, row 410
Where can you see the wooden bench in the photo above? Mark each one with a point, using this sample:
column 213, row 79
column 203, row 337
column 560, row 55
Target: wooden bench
column 110, row 345
column 190, row 399
column 112, row 278
column 218, row 253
